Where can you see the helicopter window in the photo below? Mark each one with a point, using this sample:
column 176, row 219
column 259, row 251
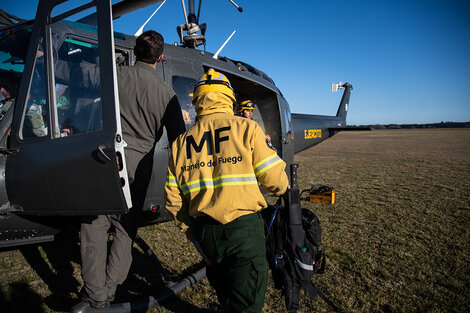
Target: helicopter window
column 122, row 58
column 35, row 118
column 77, row 87
column 183, row 87
column 13, row 47
column 287, row 125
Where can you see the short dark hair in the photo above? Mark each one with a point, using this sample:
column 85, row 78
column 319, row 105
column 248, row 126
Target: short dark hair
column 148, row 47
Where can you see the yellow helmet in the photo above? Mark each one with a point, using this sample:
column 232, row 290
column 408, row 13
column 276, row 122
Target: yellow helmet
column 246, row 105
column 213, row 81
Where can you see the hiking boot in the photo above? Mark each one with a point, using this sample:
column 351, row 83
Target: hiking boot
column 100, row 304
column 94, row 304
column 80, row 307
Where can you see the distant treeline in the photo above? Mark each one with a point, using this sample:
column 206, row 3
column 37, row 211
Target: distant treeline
column 411, row 126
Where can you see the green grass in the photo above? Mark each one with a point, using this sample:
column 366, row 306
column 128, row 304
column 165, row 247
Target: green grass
column 397, row 239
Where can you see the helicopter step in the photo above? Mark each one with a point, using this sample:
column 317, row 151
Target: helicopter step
column 15, row 231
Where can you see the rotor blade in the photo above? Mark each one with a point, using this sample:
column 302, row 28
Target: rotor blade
column 119, row 9
column 236, row 5
column 141, row 29
column 128, row 6
column 216, row 55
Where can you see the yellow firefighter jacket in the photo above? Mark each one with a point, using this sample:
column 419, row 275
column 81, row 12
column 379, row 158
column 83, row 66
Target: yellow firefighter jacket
column 214, row 167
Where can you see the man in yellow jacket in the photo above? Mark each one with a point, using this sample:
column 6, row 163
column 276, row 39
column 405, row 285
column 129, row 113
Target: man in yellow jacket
column 212, row 191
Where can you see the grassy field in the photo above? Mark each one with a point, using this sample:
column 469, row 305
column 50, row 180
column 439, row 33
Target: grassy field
column 397, row 239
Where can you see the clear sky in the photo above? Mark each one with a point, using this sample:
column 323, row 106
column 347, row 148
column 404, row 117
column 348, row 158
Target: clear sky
column 408, row 60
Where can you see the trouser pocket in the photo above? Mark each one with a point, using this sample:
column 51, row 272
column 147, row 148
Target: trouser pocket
column 247, row 287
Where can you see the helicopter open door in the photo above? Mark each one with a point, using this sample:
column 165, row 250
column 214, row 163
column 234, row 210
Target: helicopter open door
column 67, row 152
column 287, row 132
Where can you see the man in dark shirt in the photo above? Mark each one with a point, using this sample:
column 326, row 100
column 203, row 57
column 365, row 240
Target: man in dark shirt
column 146, row 105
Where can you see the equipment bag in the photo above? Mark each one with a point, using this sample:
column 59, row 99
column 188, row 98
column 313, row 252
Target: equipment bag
column 293, row 264
column 293, row 239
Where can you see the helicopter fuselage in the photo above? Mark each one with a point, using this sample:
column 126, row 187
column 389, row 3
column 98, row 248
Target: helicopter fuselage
column 76, row 165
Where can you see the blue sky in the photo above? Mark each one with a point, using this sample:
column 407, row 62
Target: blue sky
column 408, row 61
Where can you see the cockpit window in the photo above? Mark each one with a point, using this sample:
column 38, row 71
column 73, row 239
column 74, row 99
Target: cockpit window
column 287, row 124
column 77, row 87
column 35, row 122
column 183, row 87
column 13, row 47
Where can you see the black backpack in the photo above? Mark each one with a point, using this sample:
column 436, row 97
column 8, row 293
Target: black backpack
column 292, row 266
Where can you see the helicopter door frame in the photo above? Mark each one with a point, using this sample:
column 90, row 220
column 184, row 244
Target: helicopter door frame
column 287, row 132
column 82, row 174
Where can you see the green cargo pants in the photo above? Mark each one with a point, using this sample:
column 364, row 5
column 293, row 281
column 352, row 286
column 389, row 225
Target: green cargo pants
column 237, row 252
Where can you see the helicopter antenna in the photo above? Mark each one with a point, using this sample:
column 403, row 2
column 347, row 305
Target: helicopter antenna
column 198, row 11
column 335, row 87
column 184, row 13
column 216, row 55
column 141, row 29
column 236, row 5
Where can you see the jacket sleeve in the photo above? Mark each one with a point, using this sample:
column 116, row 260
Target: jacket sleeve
column 269, row 168
column 174, row 199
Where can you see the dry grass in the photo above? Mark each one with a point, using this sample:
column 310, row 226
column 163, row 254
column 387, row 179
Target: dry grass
column 397, row 238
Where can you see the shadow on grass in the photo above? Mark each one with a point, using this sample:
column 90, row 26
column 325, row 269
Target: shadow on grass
column 55, row 267
column 59, row 275
column 176, row 305
column 22, row 299
column 144, row 280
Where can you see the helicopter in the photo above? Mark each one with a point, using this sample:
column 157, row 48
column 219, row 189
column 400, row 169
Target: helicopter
column 61, row 145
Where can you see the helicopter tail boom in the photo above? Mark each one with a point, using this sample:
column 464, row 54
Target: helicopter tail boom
column 344, row 104
column 310, row 130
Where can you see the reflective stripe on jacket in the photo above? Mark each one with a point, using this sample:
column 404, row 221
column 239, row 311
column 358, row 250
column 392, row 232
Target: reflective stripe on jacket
column 214, row 168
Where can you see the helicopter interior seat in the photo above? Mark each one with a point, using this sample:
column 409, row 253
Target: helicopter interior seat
column 88, row 114
column 5, row 124
column 83, row 114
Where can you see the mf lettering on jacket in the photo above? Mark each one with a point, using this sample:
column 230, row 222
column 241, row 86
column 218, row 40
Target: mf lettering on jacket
column 208, row 141
column 312, row 133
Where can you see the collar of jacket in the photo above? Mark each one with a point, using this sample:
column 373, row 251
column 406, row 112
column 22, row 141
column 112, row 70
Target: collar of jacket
column 213, row 102
column 145, row 66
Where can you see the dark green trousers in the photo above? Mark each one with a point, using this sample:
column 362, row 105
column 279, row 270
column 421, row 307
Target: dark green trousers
column 239, row 269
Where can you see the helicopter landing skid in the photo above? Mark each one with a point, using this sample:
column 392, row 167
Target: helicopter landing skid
column 171, row 288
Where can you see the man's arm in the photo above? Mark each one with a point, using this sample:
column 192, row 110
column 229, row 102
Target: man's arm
column 268, row 166
column 174, row 199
